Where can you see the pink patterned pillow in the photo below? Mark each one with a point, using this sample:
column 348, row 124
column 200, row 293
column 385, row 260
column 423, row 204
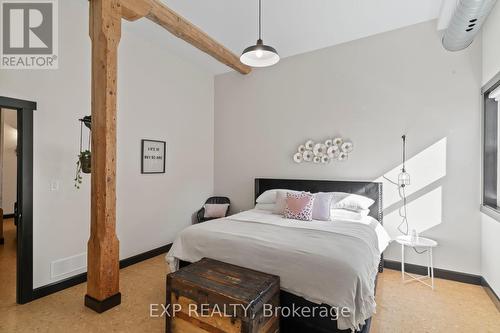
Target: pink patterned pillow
column 299, row 206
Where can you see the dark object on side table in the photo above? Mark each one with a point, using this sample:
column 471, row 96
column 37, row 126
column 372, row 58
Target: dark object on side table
column 239, row 294
column 200, row 215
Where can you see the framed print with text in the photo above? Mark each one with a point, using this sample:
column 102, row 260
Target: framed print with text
column 153, row 156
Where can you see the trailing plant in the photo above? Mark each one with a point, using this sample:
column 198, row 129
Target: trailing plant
column 82, row 166
column 83, row 163
column 85, row 158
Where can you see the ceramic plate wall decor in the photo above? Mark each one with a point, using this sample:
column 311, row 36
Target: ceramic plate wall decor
column 323, row 152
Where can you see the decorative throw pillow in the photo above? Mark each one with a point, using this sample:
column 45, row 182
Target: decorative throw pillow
column 351, row 201
column 321, row 206
column 215, row 210
column 299, row 206
column 280, row 205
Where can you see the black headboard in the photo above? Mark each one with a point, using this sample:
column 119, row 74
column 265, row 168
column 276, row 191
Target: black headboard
column 367, row 189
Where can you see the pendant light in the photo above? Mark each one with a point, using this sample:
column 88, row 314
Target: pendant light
column 260, row 55
column 404, row 177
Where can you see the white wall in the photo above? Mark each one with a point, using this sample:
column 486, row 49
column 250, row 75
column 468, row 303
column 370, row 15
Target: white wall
column 371, row 91
column 161, row 96
column 491, row 46
column 490, row 246
column 490, row 251
column 9, row 161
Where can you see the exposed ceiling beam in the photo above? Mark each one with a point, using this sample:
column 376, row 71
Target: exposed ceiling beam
column 447, row 11
column 157, row 12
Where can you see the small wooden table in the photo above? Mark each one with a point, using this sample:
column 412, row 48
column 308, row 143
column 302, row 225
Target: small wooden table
column 213, row 296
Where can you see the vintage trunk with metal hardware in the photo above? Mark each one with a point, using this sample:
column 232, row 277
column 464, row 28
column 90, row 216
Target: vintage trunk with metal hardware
column 213, row 296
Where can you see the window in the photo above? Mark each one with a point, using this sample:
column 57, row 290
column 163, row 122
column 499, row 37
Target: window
column 491, row 137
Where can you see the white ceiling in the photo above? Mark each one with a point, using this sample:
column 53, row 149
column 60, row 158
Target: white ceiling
column 291, row 26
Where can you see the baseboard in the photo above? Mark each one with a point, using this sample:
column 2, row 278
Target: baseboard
column 144, row 256
column 8, row 216
column 82, row 277
column 59, row 285
column 438, row 272
column 491, row 293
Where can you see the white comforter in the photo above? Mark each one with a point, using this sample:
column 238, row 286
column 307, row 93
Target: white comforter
column 325, row 262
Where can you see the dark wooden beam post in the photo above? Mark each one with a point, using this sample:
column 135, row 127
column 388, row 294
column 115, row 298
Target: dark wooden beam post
column 103, row 251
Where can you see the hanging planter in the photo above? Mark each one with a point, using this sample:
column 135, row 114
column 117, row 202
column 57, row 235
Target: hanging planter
column 83, row 165
column 84, row 159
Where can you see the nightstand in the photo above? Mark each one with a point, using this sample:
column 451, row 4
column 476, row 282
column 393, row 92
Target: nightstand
column 419, row 243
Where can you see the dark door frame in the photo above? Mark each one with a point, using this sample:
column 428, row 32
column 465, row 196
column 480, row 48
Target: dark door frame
column 24, row 213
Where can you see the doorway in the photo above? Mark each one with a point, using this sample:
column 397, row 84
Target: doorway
column 18, row 224
column 8, row 199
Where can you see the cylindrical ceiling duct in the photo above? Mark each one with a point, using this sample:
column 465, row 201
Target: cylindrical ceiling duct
column 466, row 23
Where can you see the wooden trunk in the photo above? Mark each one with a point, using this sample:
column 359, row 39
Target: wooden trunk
column 213, row 296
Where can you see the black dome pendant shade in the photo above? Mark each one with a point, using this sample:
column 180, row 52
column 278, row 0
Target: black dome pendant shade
column 260, row 55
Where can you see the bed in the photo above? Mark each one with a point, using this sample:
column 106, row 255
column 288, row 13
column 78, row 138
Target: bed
column 321, row 264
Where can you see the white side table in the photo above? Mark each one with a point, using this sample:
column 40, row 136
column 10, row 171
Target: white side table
column 420, row 243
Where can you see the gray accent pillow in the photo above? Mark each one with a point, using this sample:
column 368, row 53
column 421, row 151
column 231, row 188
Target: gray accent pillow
column 321, row 207
column 280, row 205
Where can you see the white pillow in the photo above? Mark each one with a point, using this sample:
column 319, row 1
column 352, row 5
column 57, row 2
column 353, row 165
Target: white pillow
column 351, row 201
column 345, row 214
column 269, row 196
column 268, row 207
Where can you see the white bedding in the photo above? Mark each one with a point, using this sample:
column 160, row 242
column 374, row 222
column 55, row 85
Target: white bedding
column 331, row 262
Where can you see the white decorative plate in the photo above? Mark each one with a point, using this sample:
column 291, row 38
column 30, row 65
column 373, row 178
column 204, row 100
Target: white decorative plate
column 301, row 149
column 307, row 156
column 331, row 151
column 309, row 144
column 316, row 159
column 338, row 141
column 319, row 149
column 325, row 159
column 297, row 158
column 329, row 143
column 347, row 147
column 342, row 156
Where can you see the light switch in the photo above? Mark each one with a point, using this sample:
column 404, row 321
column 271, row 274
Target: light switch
column 54, row 185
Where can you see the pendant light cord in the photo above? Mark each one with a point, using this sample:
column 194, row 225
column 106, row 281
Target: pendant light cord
column 260, row 19
column 404, row 152
column 81, row 136
column 403, row 213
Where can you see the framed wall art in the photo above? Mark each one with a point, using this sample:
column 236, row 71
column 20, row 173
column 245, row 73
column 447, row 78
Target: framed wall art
column 153, row 156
